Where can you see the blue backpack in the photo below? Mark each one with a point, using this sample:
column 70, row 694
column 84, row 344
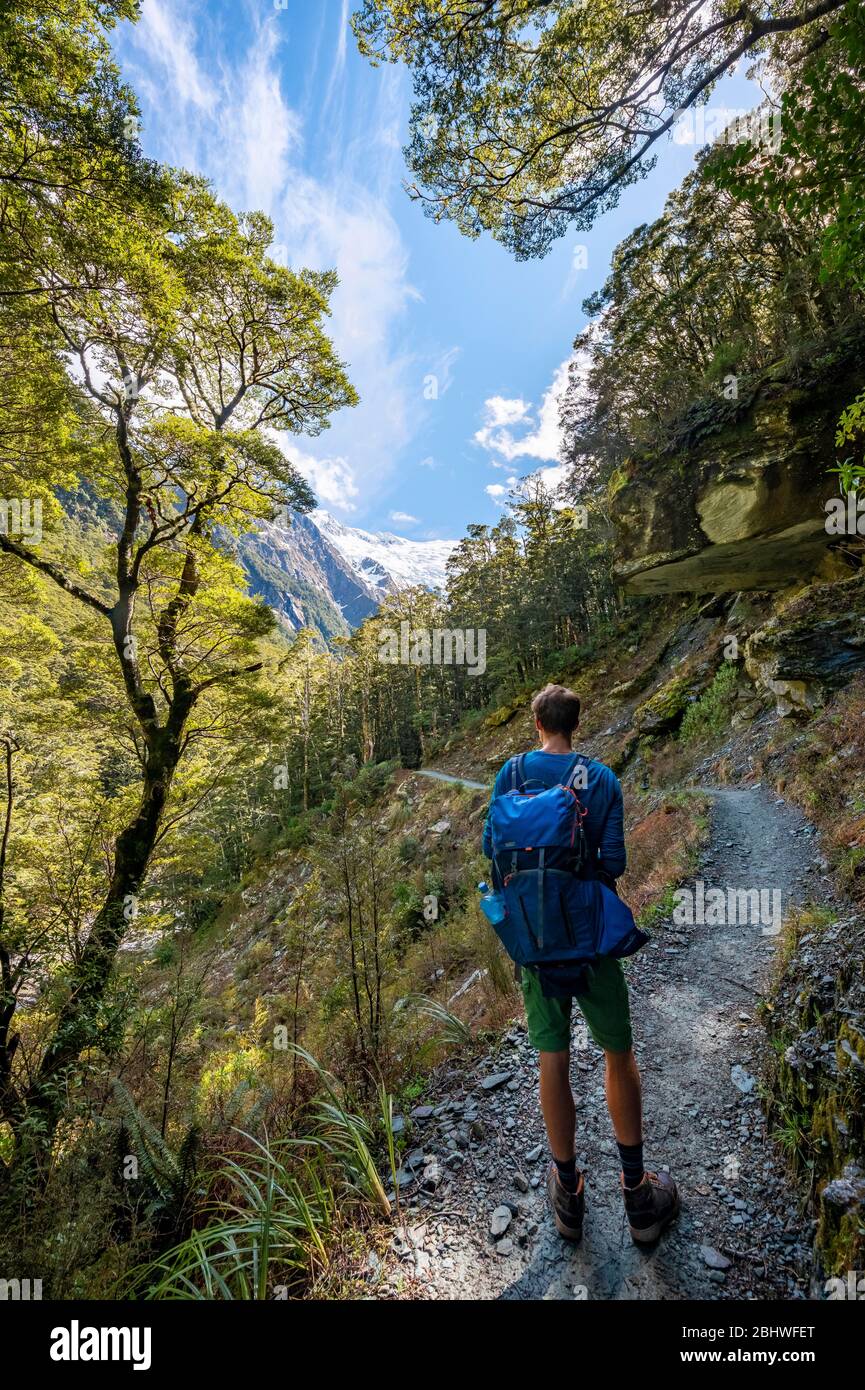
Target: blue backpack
column 557, row 920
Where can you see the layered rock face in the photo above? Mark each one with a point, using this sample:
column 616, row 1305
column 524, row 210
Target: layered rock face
column 811, row 646
column 738, row 501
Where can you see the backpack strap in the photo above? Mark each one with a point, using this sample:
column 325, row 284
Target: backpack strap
column 541, row 869
column 517, row 772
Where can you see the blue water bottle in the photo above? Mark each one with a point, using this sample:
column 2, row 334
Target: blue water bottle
column 492, row 903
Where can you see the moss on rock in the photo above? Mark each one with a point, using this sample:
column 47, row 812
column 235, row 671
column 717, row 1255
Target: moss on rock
column 816, row 1092
column 504, row 714
column 664, row 710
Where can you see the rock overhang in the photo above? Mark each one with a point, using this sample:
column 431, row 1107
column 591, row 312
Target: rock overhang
column 736, row 498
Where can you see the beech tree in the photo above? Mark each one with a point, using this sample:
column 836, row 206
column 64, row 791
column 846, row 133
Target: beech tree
column 756, row 258
column 176, row 348
column 531, row 116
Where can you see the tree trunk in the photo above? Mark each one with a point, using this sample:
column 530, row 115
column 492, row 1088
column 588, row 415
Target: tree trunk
column 78, row 1023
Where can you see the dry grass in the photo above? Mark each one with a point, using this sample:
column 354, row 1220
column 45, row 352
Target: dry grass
column 662, row 848
column 821, row 767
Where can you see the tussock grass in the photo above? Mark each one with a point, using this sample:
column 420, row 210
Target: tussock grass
column 274, row 1208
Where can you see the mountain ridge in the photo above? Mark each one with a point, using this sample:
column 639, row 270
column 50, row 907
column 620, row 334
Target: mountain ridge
column 318, row 572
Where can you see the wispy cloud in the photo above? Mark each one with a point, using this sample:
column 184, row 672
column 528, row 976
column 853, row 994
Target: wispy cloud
column 345, row 227
column 332, row 479
column 542, row 438
column 170, row 40
column 338, row 67
column 224, row 113
column 443, row 369
column 259, row 132
column 404, row 519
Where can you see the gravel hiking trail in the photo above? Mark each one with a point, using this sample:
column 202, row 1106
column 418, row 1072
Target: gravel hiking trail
column 474, row 1217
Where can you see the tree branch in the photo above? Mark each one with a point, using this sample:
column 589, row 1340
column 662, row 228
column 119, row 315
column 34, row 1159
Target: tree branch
column 54, row 572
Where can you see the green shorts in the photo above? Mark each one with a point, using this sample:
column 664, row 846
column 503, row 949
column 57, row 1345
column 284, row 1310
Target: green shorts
column 604, row 1006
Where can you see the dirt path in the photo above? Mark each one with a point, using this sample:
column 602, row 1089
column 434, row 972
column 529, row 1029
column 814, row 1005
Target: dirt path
column 694, row 992
column 446, row 777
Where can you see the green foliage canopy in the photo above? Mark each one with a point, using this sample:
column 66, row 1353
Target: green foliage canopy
column 531, row 116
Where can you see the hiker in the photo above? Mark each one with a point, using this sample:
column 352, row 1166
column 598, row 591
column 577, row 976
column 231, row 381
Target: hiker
column 651, row 1199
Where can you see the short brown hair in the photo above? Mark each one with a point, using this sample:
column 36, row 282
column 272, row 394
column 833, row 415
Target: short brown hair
column 557, row 709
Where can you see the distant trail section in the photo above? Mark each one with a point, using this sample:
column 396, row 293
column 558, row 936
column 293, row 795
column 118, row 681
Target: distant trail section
column 446, row 777
column 475, row 1222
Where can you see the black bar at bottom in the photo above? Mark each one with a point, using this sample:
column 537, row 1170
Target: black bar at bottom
column 87, row 1340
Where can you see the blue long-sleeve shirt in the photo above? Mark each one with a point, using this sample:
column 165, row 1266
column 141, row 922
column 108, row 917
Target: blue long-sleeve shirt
column 604, row 824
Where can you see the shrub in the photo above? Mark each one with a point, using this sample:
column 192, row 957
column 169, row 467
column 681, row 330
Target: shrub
column 408, row 849
column 711, row 713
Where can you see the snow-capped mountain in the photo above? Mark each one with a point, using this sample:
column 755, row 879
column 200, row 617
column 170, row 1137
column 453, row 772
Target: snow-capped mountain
column 384, row 560
column 316, row 572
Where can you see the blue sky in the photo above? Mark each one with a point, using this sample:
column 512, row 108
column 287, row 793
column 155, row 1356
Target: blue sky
column 456, row 348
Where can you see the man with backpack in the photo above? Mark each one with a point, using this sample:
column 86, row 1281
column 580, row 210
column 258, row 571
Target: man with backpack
column 567, row 930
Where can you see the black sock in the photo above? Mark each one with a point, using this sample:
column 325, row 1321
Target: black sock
column 632, row 1163
column 567, row 1172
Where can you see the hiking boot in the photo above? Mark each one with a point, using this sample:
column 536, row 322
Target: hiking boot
column 568, row 1207
column 651, row 1206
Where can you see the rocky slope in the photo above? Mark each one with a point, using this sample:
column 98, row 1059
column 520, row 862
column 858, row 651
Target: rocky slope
column 316, row 572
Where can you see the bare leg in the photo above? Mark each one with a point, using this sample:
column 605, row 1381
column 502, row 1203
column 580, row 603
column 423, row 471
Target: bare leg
column 557, row 1104
column 653, row 1203
column 624, row 1096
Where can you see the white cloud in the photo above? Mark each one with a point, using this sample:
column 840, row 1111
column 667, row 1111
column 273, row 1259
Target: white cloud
column 404, row 518
column 170, row 42
column 553, row 478
column 229, row 120
column 544, row 437
column 332, row 479
column 501, row 411
column 428, row 462
column 499, row 491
